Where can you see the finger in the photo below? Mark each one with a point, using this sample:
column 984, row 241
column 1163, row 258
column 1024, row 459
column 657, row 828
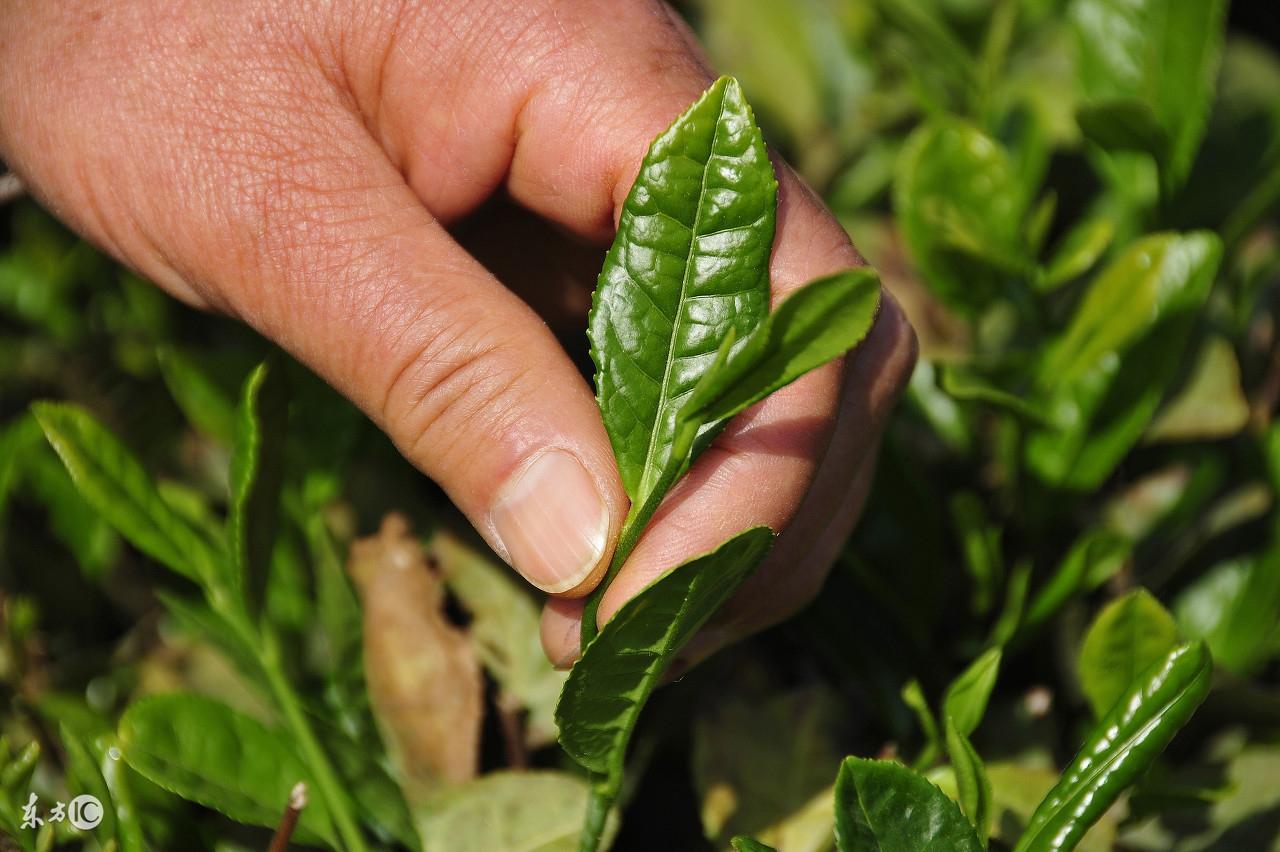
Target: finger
column 311, row 235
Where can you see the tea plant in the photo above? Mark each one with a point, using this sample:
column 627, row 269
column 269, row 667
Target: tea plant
column 1068, row 550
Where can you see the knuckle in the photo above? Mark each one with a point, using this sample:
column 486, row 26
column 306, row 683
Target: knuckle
column 458, row 384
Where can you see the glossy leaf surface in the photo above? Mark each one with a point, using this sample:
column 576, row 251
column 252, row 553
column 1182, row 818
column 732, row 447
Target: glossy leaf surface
column 817, row 323
column 961, row 207
column 608, row 686
column 883, row 806
column 689, row 265
column 1120, row 748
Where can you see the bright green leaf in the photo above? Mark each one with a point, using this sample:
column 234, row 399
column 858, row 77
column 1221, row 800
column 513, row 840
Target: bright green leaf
column 971, row 781
column 1077, row 253
column 609, row 685
column 966, row 698
column 257, row 471
column 1092, row 559
column 1121, row 747
column 820, row 321
column 116, row 485
column 84, row 775
column 203, row 401
column 1128, row 636
column 883, row 806
column 913, row 697
column 961, row 209
column 1103, row 379
column 689, row 264
column 208, row 753
column 747, row 844
column 1162, row 54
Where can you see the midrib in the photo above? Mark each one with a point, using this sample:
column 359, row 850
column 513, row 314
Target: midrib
column 646, row 480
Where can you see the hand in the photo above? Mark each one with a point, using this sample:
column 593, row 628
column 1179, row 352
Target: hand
column 300, row 165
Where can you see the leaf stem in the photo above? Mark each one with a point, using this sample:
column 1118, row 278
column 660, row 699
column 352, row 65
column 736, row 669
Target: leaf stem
column 602, row 795
column 634, row 524
column 325, row 778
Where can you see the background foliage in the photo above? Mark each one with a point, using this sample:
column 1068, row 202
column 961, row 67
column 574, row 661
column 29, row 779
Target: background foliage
column 1077, row 203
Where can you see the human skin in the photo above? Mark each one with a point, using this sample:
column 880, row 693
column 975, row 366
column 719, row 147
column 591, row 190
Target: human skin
column 316, row 168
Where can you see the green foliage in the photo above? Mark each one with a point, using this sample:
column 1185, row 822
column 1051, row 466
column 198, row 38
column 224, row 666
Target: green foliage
column 1128, row 636
column 1075, row 201
column 1121, row 747
column 607, row 688
column 206, row 752
column 884, row 806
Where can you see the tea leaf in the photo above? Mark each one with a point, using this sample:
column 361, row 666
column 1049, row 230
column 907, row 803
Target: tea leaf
column 208, row 753
column 115, row 484
column 506, row 811
column 1094, row 557
column 1148, row 66
column 1103, row 379
column 203, row 401
column 85, row 773
column 747, row 844
column 971, row 781
column 1126, row 638
column 818, row 322
column 689, row 265
column 965, row 701
column 883, row 806
column 257, row 471
column 1077, row 253
column 1211, row 405
column 1120, row 748
column 609, row 685
column 961, row 207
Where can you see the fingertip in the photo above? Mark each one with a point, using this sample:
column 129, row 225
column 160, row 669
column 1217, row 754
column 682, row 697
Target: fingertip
column 561, row 630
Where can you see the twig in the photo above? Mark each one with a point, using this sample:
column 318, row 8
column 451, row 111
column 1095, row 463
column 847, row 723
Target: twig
column 289, row 820
column 11, row 187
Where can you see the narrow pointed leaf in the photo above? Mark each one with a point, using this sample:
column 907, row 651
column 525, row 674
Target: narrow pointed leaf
column 971, row 781
column 607, row 687
column 966, row 698
column 113, row 481
column 819, row 322
column 748, row 844
column 883, row 806
column 689, row 263
column 1122, row 746
column 257, row 469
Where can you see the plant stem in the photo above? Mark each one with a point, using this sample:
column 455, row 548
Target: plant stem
column 637, row 519
column 602, row 796
column 325, row 778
